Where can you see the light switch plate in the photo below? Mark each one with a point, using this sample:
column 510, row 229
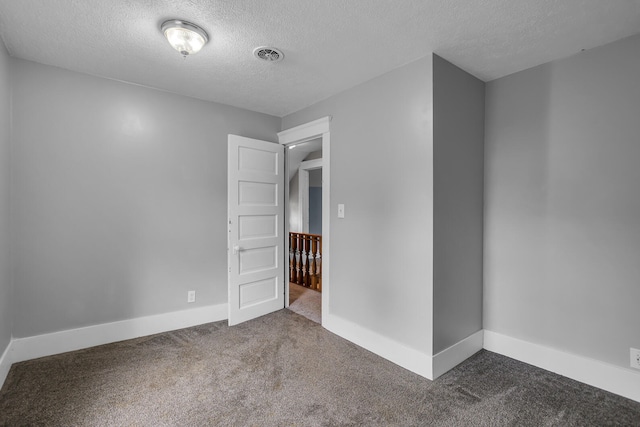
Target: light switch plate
column 341, row 211
column 635, row 358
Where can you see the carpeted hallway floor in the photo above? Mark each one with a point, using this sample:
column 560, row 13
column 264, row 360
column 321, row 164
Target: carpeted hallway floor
column 285, row 370
column 306, row 302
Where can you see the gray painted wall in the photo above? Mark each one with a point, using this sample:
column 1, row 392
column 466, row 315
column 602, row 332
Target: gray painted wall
column 6, row 305
column 295, row 157
column 120, row 198
column 562, row 194
column 315, row 155
column 381, row 255
column 458, row 150
column 315, row 201
column 294, row 204
column 315, row 178
column 315, row 210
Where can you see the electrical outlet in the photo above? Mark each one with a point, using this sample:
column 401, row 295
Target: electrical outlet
column 635, row 358
column 191, row 296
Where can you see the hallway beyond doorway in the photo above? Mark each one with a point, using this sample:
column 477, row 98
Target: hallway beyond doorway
column 305, row 302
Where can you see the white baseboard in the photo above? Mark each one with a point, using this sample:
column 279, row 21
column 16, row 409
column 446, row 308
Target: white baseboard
column 76, row 339
column 459, row 352
column 5, row 364
column 614, row 379
column 408, row 358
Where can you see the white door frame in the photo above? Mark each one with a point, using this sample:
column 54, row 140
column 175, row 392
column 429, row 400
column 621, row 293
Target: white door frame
column 316, row 129
column 303, row 191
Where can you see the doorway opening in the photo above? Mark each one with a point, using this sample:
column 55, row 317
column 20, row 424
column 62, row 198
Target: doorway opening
column 305, row 228
column 307, row 209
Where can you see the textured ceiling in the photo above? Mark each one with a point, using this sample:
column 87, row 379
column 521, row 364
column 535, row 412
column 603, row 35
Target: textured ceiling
column 329, row 45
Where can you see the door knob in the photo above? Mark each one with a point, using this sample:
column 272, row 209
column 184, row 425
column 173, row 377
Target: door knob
column 236, row 249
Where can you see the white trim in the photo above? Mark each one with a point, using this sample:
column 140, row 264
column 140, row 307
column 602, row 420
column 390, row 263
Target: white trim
column 5, row 364
column 311, row 164
column 285, row 229
column 298, row 134
column 326, row 222
column 406, row 357
column 450, row 357
column 305, row 131
column 76, row 339
column 589, row 371
column 599, row 374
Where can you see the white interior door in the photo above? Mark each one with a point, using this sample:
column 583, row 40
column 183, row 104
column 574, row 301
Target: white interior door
column 256, row 236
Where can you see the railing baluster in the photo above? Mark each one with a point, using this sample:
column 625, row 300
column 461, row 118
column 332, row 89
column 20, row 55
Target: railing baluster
column 300, row 275
column 292, row 257
column 305, row 260
column 314, row 266
column 319, row 271
column 303, row 257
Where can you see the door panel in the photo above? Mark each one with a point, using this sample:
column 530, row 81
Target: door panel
column 251, row 193
column 257, row 160
column 258, row 259
column 258, row 292
column 257, row 226
column 256, row 237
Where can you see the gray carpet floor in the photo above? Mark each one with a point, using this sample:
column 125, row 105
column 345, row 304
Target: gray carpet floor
column 285, row 370
column 306, row 302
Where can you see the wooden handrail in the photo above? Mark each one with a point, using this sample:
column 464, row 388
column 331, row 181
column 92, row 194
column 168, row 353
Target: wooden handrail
column 305, row 260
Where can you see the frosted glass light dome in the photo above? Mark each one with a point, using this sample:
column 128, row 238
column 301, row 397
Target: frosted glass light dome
column 183, row 36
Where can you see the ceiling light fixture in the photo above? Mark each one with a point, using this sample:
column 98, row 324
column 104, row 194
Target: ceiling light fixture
column 185, row 37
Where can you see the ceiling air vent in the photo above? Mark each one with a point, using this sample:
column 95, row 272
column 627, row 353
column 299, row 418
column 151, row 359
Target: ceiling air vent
column 269, row 54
